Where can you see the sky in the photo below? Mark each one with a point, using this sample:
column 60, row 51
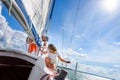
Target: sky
column 88, row 27
column 84, row 31
column 11, row 38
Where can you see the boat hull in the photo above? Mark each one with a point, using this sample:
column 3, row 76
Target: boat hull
column 15, row 65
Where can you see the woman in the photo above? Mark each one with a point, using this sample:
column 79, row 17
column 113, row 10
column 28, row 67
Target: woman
column 50, row 59
column 31, row 45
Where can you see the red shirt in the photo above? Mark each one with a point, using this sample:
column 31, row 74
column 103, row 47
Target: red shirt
column 32, row 47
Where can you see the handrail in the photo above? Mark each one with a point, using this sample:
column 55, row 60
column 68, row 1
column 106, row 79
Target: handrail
column 75, row 71
column 85, row 73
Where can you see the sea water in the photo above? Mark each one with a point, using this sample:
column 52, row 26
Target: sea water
column 83, row 75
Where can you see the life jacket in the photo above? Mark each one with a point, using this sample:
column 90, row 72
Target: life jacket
column 32, row 47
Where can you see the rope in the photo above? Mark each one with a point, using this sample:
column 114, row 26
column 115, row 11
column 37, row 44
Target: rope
column 10, row 7
column 62, row 45
column 44, row 76
column 62, row 42
column 47, row 28
column 74, row 26
column 46, row 32
column 39, row 14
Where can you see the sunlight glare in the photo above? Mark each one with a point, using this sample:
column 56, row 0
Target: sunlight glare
column 110, row 5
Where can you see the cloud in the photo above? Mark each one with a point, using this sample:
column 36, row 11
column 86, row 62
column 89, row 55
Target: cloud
column 77, row 36
column 116, row 43
column 116, row 66
column 102, row 51
column 81, row 49
column 76, row 55
column 83, row 56
column 10, row 38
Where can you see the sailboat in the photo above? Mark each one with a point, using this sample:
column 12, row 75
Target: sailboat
column 33, row 16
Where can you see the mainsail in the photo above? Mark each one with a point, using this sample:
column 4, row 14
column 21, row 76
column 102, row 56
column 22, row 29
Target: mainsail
column 37, row 11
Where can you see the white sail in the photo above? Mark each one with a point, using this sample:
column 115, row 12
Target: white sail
column 37, row 11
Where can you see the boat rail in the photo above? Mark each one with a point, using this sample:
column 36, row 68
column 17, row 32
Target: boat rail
column 75, row 74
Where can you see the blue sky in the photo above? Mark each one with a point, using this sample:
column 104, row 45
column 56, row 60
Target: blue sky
column 11, row 20
column 96, row 32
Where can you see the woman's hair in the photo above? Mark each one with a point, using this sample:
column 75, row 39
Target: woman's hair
column 52, row 47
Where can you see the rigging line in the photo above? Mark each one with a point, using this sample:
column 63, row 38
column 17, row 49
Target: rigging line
column 22, row 7
column 62, row 44
column 50, row 17
column 36, row 11
column 35, row 14
column 40, row 13
column 47, row 14
column 36, row 37
column 47, row 17
column 74, row 26
column 10, row 7
column 32, row 18
column 31, row 28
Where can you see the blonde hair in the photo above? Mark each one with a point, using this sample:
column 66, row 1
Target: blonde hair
column 52, row 47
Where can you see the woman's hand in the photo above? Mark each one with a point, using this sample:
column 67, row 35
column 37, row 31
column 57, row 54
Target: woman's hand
column 68, row 62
